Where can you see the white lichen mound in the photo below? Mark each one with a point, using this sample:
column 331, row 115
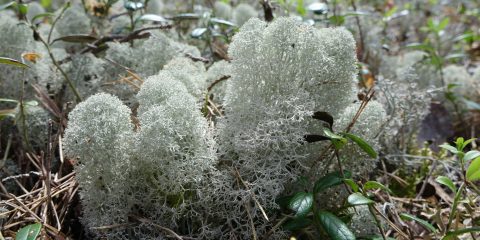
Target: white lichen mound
column 155, row 172
column 99, row 135
column 281, row 74
column 147, row 57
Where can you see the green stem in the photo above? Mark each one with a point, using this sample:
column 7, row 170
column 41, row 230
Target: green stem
column 454, row 206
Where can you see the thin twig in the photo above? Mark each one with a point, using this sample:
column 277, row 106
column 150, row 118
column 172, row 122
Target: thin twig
column 223, row 78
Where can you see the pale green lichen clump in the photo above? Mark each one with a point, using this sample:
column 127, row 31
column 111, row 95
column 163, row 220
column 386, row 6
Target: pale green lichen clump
column 281, row 74
column 100, row 135
column 154, row 172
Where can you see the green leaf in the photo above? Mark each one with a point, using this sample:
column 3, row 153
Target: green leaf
column 424, row 223
column 222, row 22
column 421, row 46
column 23, row 8
column 450, row 148
column 353, row 185
column 471, row 155
column 454, row 56
column 337, row 20
column 460, row 143
column 301, row 8
column 466, row 36
column 334, row 227
column 29, row 232
column 7, row 5
column 330, row 180
column 473, row 171
column 80, row 38
column 153, row 18
column 10, row 61
column 356, row 199
column 443, row 24
column 301, row 203
column 132, row 6
column 198, row 32
column 447, row 182
column 362, row 144
column 46, row 3
column 451, row 235
column 337, row 140
column 375, row 185
column 451, row 86
column 8, row 100
column 42, row 15
column 390, row 12
column 468, row 142
column 297, row 224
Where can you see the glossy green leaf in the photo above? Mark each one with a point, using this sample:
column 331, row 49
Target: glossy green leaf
column 422, row 222
column 153, row 18
column 468, row 142
column 471, row 155
column 7, row 5
column 450, row 148
column 198, row 32
column 473, row 171
column 301, row 203
column 452, row 235
column 13, row 62
column 222, row 22
column 330, row 180
column 334, row 227
column 133, row 6
column 29, row 232
column 460, row 143
column 353, row 185
column 362, row 144
column 447, row 182
column 297, row 224
column 337, row 140
column 356, row 199
column 375, row 185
